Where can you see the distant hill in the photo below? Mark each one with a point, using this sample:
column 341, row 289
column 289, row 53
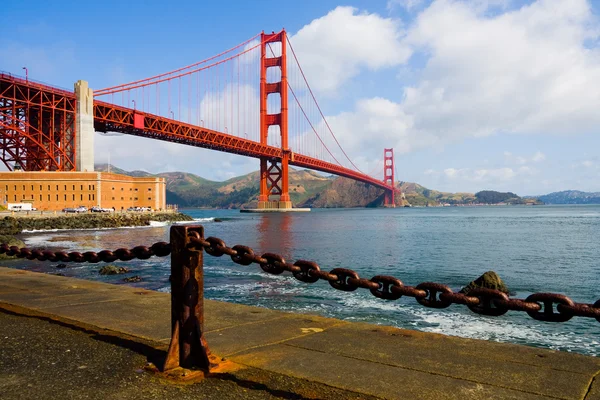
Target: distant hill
column 307, row 189
column 571, row 197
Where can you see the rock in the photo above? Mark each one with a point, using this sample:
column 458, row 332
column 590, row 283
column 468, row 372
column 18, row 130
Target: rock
column 131, row 279
column 489, row 280
column 61, row 266
column 217, row 220
column 112, row 270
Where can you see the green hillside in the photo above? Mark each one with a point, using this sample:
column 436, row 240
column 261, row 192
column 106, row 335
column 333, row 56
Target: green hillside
column 307, row 189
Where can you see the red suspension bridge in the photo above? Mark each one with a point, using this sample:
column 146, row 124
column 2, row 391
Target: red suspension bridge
column 248, row 100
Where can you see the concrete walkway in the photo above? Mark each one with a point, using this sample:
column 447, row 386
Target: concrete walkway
column 360, row 358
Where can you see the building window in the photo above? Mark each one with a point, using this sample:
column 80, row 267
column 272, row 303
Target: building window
column 7, row 188
column 15, row 197
column 121, row 198
column 113, row 198
column 130, row 189
column 23, row 187
column 57, row 197
column 65, row 197
column 73, row 187
column 32, row 188
column 149, row 198
column 23, row 197
column 49, row 197
column 73, row 197
column 48, row 187
column 81, row 187
column 56, row 187
column 40, row 197
column 135, row 198
column 93, row 197
column 15, row 187
column 121, row 189
column 65, row 187
column 40, row 188
column 81, row 197
column 149, row 189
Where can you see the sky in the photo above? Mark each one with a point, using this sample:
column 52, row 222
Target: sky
column 471, row 94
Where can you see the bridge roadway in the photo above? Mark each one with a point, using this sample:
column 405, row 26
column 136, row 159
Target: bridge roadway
column 112, row 118
column 281, row 355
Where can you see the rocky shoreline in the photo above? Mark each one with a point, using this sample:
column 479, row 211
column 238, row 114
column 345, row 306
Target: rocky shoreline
column 13, row 225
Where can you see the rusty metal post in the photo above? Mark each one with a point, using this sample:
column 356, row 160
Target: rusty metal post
column 187, row 349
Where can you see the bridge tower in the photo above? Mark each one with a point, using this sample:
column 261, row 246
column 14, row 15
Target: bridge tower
column 274, row 172
column 388, row 177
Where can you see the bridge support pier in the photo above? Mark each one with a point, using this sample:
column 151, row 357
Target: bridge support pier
column 388, row 177
column 274, row 172
column 84, row 127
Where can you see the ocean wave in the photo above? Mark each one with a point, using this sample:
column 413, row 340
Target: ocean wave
column 158, row 223
column 196, row 220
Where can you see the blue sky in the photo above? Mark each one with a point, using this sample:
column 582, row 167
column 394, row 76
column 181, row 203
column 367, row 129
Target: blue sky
column 472, row 94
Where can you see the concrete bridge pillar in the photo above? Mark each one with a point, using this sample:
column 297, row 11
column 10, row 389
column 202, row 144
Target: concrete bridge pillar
column 84, row 127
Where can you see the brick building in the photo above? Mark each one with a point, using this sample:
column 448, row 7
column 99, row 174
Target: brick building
column 57, row 190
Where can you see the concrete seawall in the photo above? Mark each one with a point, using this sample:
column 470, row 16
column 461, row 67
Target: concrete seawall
column 373, row 360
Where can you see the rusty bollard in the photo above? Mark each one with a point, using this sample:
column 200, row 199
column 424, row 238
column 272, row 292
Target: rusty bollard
column 187, row 349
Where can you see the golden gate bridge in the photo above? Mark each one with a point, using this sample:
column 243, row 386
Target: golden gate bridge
column 248, row 100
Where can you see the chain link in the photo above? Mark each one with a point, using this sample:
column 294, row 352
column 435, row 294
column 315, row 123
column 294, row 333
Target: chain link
column 159, row 249
column 539, row 306
column 489, row 302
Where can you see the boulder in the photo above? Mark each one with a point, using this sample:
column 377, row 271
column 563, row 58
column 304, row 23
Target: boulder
column 61, row 266
column 489, row 280
column 112, row 270
column 133, row 279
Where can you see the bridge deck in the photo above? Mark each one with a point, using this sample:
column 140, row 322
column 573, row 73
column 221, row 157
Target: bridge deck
column 369, row 359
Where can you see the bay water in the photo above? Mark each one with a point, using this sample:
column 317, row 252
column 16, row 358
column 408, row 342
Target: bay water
column 533, row 249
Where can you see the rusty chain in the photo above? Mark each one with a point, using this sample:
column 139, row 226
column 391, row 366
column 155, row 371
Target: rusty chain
column 159, row 249
column 539, row 306
column 550, row 307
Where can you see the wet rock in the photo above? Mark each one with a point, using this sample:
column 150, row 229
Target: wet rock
column 61, row 266
column 133, row 279
column 112, row 270
column 217, row 220
column 489, row 280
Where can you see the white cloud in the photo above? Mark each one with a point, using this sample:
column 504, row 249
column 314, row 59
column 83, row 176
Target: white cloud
column 588, row 163
column 512, row 159
column 333, row 48
column 538, row 157
column 524, row 71
column 406, row 4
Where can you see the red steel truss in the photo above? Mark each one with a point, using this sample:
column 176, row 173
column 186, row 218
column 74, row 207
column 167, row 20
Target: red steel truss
column 111, row 118
column 37, row 126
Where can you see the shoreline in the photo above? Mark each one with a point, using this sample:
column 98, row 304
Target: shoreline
column 17, row 224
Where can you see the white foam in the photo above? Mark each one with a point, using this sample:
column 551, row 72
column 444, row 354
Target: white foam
column 209, row 219
column 158, row 223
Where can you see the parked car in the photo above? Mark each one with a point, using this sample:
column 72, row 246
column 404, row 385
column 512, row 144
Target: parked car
column 69, row 210
column 81, row 209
